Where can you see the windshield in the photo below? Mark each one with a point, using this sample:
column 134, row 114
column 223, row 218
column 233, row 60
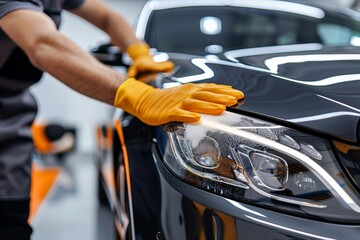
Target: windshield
column 214, row 29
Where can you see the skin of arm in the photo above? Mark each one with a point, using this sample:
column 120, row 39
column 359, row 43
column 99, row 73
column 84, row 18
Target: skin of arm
column 56, row 54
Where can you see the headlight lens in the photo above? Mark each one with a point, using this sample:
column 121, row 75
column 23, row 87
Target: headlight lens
column 261, row 163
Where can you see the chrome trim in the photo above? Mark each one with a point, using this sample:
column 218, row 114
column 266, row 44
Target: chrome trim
column 240, row 206
column 288, row 229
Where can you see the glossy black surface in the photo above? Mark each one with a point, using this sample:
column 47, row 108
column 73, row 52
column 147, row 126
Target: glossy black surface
column 321, row 96
column 292, row 93
column 349, row 157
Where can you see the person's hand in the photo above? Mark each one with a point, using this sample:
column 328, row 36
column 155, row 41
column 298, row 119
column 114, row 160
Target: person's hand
column 143, row 61
column 183, row 103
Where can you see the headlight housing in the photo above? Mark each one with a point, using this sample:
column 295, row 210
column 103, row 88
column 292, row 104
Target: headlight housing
column 261, row 163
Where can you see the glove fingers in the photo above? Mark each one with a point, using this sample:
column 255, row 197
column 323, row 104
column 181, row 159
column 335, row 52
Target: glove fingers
column 180, row 115
column 226, row 100
column 132, row 71
column 226, row 90
column 149, row 67
column 214, row 85
column 165, row 66
column 156, row 67
column 199, row 106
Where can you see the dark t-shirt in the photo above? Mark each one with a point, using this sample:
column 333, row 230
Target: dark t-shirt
column 16, row 71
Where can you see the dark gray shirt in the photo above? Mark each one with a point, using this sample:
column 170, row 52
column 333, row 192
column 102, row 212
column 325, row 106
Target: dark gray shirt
column 16, row 71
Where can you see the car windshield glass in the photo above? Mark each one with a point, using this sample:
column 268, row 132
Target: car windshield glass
column 211, row 30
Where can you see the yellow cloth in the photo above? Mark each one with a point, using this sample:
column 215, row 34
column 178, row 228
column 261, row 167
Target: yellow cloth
column 182, row 103
column 143, row 61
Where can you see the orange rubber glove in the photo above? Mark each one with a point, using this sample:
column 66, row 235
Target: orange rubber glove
column 143, row 61
column 183, row 103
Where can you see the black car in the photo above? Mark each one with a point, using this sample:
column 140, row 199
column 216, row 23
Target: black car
column 282, row 164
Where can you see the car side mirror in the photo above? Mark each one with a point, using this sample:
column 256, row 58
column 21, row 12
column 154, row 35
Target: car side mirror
column 108, row 54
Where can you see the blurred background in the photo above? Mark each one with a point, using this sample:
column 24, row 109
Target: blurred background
column 65, row 187
column 71, row 209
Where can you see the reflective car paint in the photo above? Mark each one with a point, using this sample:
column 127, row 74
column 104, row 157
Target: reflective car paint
column 329, row 86
column 187, row 197
column 187, row 212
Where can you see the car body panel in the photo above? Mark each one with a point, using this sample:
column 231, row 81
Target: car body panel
column 330, row 87
column 283, row 85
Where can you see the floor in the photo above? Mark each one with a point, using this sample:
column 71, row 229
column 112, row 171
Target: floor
column 70, row 209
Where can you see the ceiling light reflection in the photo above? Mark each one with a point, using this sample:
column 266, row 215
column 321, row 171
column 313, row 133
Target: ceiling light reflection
column 214, row 49
column 323, row 116
column 355, row 41
column 340, row 103
column 232, row 55
column 274, row 63
column 201, row 63
column 210, row 25
column 326, row 81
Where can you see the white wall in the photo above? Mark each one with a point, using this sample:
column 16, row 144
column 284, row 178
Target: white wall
column 59, row 103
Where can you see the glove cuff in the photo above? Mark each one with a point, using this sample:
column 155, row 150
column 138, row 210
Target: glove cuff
column 128, row 94
column 137, row 50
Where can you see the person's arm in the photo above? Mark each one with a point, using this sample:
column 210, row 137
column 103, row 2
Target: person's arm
column 122, row 35
column 56, row 54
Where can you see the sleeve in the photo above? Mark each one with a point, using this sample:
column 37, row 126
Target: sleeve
column 72, row 4
column 7, row 6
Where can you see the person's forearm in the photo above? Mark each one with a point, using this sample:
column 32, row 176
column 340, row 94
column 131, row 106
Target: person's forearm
column 54, row 53
column 66, row 61
column 120, row 32
column 122, row 35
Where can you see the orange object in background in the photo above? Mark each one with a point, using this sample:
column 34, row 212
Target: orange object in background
column 53, row 138
column 49, row 139
column 42, row 181
column 42, row 143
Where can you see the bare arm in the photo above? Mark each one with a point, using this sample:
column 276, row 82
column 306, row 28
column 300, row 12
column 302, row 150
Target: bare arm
column 111, row 22
column 122, row 35
column 54, row 53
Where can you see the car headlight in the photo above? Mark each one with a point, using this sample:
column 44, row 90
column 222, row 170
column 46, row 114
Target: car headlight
column 261, row 163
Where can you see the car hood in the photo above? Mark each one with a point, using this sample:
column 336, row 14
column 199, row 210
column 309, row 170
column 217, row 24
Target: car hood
column 316, row 89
